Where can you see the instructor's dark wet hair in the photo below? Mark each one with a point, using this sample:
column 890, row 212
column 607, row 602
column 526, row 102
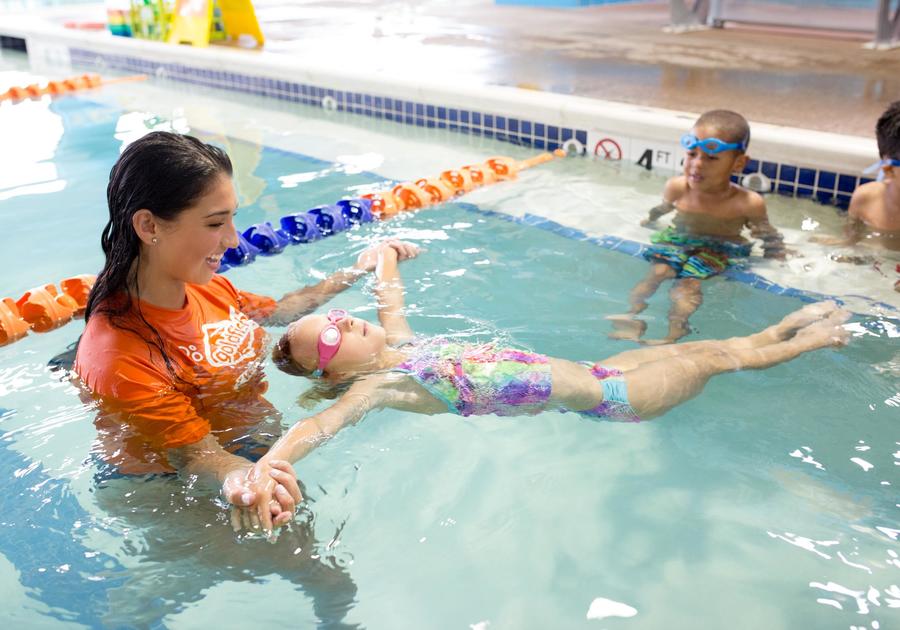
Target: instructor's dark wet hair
column 165, row 173
column 887, row 132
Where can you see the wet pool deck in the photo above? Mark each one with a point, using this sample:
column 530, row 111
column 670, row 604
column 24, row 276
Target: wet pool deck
column 818, row 80
column 826, row 81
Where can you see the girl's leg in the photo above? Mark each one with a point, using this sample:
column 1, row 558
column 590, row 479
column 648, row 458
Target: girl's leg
column 627, row 326
column 656, row 387
column 781, row 331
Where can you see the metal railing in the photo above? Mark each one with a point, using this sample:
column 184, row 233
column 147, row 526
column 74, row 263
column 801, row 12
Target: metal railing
column 881, row 18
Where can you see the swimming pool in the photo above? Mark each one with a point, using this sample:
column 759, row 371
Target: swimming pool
column 768, row 501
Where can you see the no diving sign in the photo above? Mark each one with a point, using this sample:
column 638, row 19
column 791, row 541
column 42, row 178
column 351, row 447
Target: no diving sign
column 608, row 149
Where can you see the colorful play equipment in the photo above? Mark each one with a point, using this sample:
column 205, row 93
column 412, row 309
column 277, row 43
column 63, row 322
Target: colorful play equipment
column 45, row 308
column 55, row 88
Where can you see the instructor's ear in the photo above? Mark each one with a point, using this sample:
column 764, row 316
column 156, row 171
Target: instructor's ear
column 146, row 226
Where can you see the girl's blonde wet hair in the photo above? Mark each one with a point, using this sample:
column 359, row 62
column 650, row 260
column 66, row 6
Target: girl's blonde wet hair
column 322, row 388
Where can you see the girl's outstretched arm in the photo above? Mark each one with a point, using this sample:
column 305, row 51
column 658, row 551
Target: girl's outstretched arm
column 307, row 299
column 389, row 291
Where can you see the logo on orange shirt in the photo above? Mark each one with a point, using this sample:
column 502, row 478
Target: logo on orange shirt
column 230, row 341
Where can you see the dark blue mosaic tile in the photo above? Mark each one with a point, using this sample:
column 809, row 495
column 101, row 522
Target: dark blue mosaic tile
column 525, row 127
column 500, row 122
column 430, row 111
column 378, row 102
column 540, row 130
column 513, row 125
column 399, row 105
column 847, row 183
column 807, row 177
column 804, row 191
column 553, row 133
column 442, row 124
column 464, row 117
column 842, row 201
column 420, row 122
column 367, row 100
column 824, row 196
column 567, row 134
column 420, row 109
column 787, row 173
column 752, row 166
column 581, row 136
column 735, row 178
column 826, row 181
column 476, row 118
column 442, row 113
column 430, row 123
column 539, row 143
column 489, row 121
column 453, row 115
column 553, row 145
column 454, row 127
column 502, row 137
column 785, row 189
column 408, row 107
column 770, row 170
column 865, row 180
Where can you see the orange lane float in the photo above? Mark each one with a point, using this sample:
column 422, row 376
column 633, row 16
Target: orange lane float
column 44, row 308
column 56, row 88
column 410, row 196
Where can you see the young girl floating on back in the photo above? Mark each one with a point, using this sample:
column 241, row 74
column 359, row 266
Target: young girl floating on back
column 387, row 366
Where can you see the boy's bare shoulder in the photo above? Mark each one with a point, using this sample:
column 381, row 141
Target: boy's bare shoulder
column 750, row 203
column 865, row 198
column 675, row 188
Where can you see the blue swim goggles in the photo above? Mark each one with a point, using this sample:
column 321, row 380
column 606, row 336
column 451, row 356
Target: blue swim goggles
column 877, row 166
column 710, row 146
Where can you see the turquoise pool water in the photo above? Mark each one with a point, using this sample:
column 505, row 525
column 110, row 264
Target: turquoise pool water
column 768, row 502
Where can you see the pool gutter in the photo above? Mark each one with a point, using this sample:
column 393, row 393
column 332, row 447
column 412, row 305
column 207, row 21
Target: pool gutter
column 799, row 162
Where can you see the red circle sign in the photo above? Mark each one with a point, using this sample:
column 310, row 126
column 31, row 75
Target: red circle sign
column 609, row 149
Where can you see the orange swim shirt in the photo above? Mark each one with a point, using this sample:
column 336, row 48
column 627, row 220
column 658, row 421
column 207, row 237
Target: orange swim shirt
column 216, row 349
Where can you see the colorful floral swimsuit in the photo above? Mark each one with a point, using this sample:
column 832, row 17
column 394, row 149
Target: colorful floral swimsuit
column 483, row 379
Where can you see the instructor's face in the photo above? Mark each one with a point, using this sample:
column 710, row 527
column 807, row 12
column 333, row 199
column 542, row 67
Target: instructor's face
column 193, row 244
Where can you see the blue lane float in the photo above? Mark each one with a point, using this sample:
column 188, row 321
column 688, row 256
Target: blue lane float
column 267, row 239
column 299, row 227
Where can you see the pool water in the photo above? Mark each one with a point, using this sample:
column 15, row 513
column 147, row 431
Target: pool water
column 767, row 502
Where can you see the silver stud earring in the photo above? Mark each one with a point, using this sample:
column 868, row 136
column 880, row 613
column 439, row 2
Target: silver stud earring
column 154, row 240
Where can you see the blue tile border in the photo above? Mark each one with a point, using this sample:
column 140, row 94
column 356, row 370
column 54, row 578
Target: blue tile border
column 636, row 249
column 823, row 186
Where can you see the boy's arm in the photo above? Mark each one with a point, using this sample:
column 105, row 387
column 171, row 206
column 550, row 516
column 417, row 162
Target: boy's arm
column 758, row 222
column 855, row 227
column 307, row 299
column 672, row 191
column 389, row 292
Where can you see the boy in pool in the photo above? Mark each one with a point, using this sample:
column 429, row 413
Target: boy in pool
column 373, row 367
column 705, row 237
column 874, row 212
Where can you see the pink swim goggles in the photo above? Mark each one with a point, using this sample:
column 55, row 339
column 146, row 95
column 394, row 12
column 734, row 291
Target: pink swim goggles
column 329, row 339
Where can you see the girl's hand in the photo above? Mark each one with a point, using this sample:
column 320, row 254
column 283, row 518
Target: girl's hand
column 368, row 259
column 264, row 496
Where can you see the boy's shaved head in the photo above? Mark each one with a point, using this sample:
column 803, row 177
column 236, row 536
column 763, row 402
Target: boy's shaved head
column 887, row 132
column 731, row 126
